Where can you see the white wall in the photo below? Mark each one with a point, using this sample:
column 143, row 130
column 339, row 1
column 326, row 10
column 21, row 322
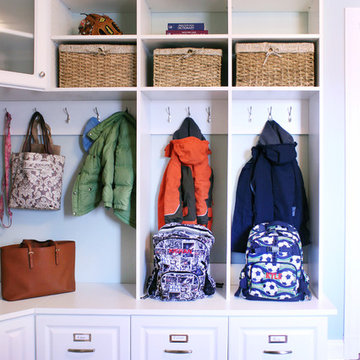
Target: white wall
column 333, row 161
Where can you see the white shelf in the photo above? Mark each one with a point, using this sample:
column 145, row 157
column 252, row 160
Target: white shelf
column 187, row 6
column 272, row 6
column 103, row 6
column 88, row 299
column 94, row 38
column 69, row 94
column 280, row 93
column 154, row 41
column 161, row 93
column 275, row 37
column 185, row 93
column 103, row 93
column 16, row 33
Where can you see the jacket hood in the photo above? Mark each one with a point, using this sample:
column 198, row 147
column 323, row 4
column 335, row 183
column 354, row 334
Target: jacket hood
column 273, row 133
column 190, row 150
column 188, row 128
column 277, row 154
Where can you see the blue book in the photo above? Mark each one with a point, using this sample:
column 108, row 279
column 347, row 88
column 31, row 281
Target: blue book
column 186, row 26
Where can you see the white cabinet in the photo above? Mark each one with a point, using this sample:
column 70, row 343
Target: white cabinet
column 237, row 116
column 17, row 338
column 292, row 338
column 23, row 43
column 185, row 337
column 237, row 113
column 92, row 337
column 106, row 322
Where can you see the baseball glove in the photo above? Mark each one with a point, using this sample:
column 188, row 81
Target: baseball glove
column 95, row 24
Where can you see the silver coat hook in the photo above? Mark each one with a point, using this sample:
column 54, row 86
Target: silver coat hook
column 270, row 115
column 97, row 113
column 289, row 112
column 208, row 110
column 168, row 112
column 67, row 115
column 188, row 111
column 250, row 113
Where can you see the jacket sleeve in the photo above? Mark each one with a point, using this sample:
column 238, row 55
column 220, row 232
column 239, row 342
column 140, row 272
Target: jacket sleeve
column 243, row 211
column 169, row 201
column 202, row 185
column 107, row 163
column 125, row 166
column 87, row 190
column 302, row 209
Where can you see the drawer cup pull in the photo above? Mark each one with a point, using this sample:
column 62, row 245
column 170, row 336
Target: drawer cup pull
column 276, row 352
column 81, row 350
column 178, row 351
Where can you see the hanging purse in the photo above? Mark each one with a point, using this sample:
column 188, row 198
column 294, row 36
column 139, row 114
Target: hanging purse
column 37, row 268
column 37, row 176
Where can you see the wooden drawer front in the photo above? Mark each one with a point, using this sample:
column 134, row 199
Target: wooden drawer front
column 63, row 337
column 284, row 339
column 172, row 337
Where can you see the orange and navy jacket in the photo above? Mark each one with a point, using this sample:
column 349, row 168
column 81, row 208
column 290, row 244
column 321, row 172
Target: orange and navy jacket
column 185, row 194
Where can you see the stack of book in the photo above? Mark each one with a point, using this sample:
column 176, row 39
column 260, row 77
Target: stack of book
column 186, row 29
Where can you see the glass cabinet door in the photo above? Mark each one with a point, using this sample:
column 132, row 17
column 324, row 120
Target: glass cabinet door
column 17, row 36
column 20, row 39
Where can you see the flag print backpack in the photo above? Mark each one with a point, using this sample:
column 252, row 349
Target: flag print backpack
column 181, row 263
column 274, row 265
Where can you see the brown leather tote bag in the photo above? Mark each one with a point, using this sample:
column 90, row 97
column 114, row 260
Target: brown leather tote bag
column 37, row 268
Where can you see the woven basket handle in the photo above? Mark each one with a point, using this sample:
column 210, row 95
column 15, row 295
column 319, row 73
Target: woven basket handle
column 30, row 244
column 36, row 119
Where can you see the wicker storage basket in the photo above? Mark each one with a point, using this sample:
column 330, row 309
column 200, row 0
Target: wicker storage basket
column 275, row 64
column 187, row 67
column 97, row 65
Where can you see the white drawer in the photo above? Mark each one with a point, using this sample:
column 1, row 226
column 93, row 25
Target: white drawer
column 277, row 338
column 173, row 337
column 61, row 337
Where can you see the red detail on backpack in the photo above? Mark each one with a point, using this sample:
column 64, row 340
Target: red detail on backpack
column 273, row 276
column 180, row 251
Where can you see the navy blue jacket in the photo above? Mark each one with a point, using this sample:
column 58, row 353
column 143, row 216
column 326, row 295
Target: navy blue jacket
column 270, row 187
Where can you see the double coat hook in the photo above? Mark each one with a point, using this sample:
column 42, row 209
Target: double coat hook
column 168, row 112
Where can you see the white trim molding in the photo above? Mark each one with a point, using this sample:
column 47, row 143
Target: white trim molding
column 352, row 243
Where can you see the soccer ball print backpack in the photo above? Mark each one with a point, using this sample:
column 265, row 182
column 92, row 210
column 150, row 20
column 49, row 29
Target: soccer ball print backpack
column 181, row 263
column 274, row 264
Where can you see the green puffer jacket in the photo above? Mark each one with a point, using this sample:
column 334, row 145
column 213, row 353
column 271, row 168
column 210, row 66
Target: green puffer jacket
column 109, row 170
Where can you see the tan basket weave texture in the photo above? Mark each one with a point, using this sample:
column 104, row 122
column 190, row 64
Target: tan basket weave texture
column 187, row 67
column 97, row 65
column 275, row 64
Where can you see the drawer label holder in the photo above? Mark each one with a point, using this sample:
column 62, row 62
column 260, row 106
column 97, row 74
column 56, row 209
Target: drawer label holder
column 178, row 338
column 278, row 339
column 82, row 337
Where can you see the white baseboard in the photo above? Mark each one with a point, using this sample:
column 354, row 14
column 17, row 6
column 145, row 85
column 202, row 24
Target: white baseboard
column 336, row 350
